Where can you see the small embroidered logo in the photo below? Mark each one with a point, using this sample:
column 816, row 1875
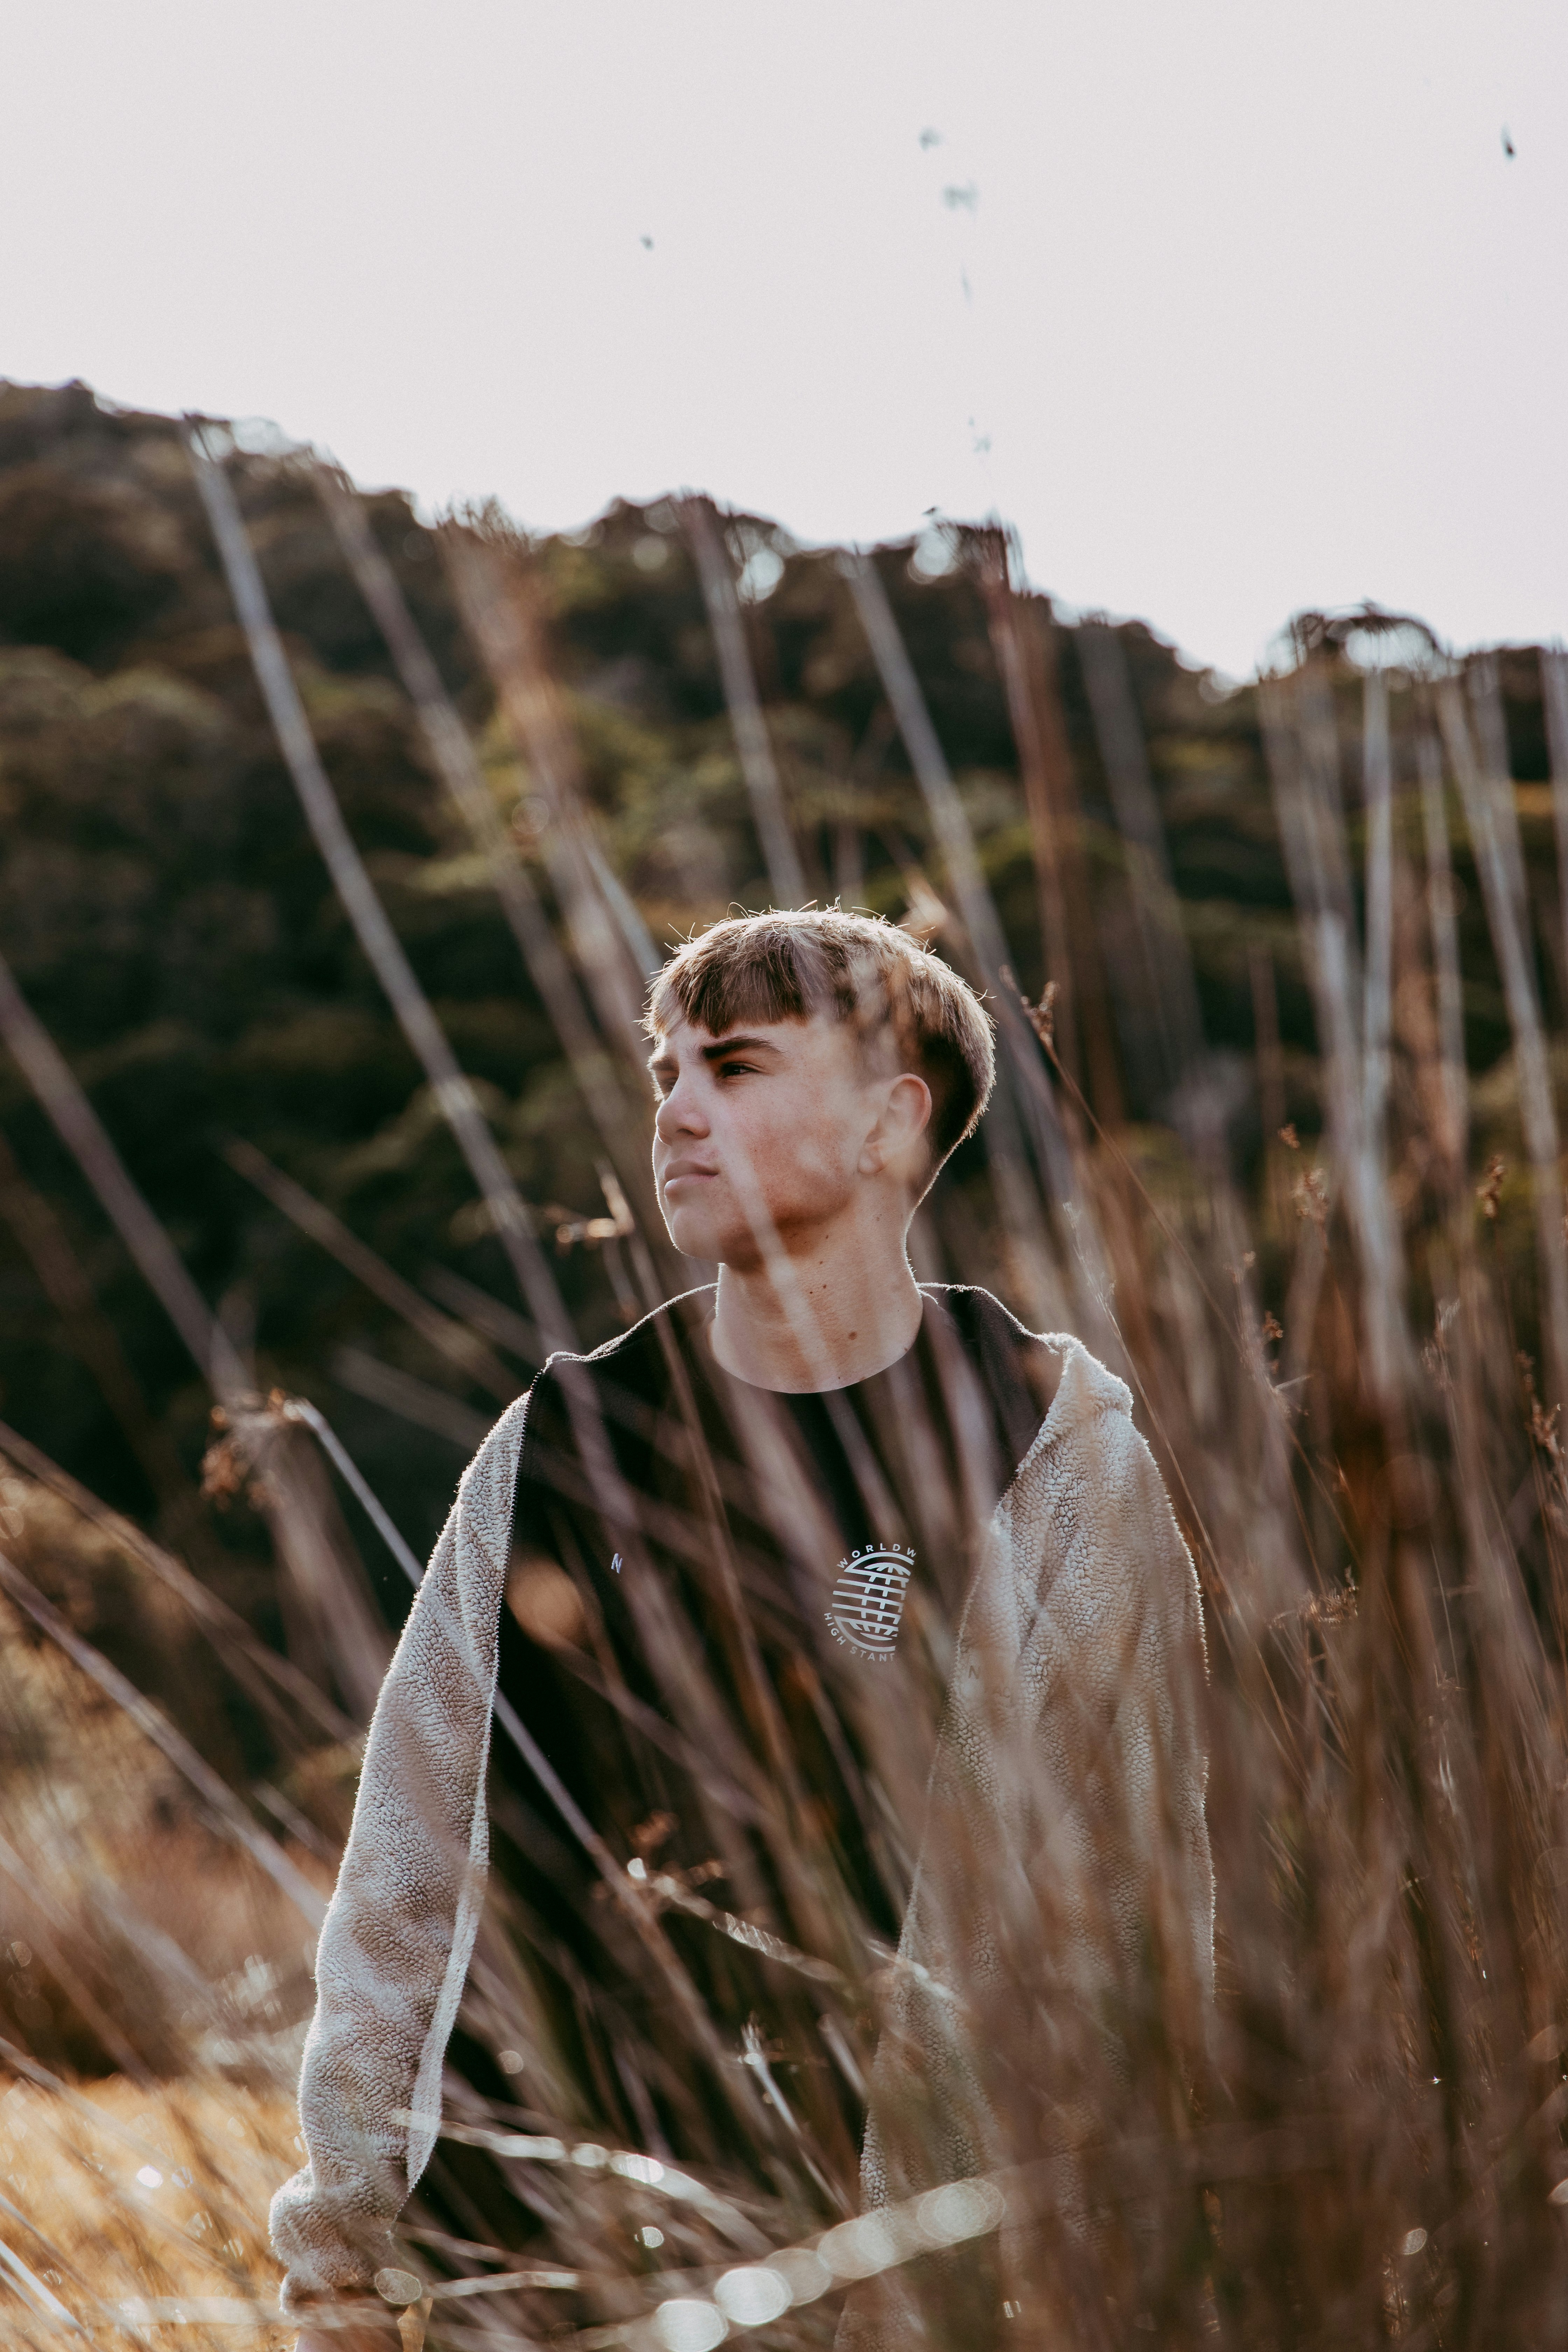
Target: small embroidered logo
column 868, row 1602
column 615, row 1565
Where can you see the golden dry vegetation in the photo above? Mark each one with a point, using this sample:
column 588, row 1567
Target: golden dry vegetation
column 1282, row 1144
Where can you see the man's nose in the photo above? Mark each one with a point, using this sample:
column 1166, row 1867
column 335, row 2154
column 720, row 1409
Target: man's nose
column 680, row 1112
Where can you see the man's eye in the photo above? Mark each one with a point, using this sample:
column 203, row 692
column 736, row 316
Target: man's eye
column 727, row 1068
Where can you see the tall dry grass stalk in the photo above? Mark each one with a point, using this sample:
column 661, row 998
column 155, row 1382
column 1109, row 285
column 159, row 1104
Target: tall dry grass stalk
column 1361, row 2140
column 452, row 1091
column 704, row 531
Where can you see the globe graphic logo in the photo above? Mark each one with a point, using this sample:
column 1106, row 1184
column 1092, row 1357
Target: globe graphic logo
column 869, row 1600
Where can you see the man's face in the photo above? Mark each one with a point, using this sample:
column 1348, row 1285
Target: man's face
column 769, row 1116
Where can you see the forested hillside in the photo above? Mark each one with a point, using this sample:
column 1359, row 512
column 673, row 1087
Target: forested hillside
column 168, row 917
column 1279, row 1138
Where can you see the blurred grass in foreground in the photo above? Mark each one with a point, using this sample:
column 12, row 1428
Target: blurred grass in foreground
column 1272, row 1166
column 144, row 2198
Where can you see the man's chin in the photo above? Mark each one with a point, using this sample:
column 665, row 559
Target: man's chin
column 694, row 1236
column 710, row 1239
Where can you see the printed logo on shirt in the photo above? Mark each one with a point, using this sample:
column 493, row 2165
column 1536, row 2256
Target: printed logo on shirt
column 868, row 1602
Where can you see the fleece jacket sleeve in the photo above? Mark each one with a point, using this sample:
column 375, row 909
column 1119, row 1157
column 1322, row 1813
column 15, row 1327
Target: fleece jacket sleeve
column 395, row 1944
column 1066, row 1844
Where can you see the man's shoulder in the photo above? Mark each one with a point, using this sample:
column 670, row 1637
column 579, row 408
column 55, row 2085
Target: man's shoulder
column 974, row 1309
column 689, row 1307
column 636, row 1361
column 1022, row 1367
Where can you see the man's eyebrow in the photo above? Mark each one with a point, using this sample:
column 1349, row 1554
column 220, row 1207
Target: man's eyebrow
column 725, row 1045
column 666, row 1058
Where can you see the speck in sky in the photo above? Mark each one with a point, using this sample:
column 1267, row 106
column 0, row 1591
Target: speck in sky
column 1231, row 310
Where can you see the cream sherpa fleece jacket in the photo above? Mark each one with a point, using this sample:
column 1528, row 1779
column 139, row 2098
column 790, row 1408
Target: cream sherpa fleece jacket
column 1073, row 1733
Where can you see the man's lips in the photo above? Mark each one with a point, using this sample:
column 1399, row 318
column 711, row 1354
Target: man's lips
column 684, row 1172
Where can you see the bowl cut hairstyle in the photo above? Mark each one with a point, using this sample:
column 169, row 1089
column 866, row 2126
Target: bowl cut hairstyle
column 789, row 965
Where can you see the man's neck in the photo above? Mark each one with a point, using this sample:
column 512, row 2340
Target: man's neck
column 826, row 1311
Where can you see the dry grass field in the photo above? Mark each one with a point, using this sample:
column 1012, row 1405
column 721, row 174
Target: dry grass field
column 1326, row 1249
column 146, row 2209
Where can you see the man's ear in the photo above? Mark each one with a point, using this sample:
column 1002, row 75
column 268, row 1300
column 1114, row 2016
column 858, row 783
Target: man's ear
column 902, row 1122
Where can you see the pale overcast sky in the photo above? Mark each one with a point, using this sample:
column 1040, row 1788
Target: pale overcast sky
column 1249, row 301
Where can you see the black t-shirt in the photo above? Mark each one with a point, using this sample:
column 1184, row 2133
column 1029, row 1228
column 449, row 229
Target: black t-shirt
column 731, row 1621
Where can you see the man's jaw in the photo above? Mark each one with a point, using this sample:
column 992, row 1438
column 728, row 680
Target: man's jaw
column 705, row 1222
column 688, row 1192
column 691, row 1187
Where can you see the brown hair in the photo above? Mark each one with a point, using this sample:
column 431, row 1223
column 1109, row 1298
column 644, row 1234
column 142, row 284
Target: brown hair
column 790, row 964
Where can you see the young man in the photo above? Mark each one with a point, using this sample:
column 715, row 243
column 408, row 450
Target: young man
column 827, row 1615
